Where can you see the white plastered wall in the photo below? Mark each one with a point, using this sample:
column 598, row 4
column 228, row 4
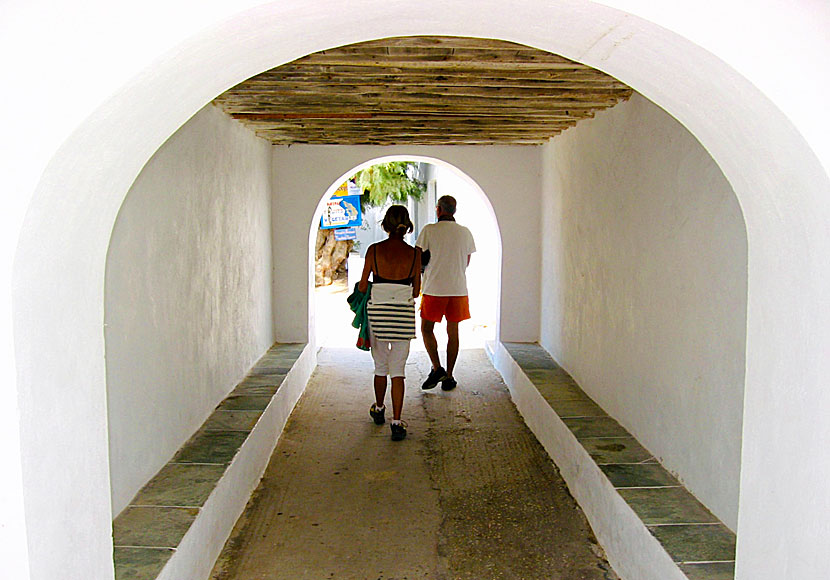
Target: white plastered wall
column 188, row 292
column 748, row 79
column 508, row 176
column 644, row 300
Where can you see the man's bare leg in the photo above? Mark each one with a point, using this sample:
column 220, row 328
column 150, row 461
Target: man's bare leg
column 452, row 346
column 431, row 344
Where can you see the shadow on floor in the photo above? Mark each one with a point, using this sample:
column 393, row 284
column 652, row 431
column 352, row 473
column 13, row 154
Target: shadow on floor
column 469, row 494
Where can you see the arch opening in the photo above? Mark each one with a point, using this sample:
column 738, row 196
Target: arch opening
column 475, row 212
column 59, row 262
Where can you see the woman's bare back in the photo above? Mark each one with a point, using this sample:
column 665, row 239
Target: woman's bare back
column 394, row 258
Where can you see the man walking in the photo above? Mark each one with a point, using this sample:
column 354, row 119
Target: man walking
column 449, row 246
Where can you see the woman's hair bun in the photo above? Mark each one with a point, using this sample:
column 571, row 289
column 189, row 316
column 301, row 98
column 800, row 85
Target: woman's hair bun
column 397, row 219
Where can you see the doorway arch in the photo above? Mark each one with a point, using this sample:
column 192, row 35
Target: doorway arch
column 60, row 260
column 479, row 196
column 295, row 212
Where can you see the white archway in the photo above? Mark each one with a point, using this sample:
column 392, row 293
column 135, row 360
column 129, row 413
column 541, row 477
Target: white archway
column 302, row 169
column 479, row 196
column 780, row 183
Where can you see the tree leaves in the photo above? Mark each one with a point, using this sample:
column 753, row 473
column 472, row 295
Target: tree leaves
column 393, row 181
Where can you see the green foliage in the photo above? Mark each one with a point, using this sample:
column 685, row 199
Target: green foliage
column 394, row 181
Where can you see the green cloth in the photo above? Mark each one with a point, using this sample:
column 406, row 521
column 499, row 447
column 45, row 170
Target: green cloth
column 357, row 302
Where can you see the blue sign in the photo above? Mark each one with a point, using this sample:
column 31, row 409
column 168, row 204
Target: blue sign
column 342, row 234
column 342, row 212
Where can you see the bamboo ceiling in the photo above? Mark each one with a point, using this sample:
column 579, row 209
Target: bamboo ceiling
column 424, row 91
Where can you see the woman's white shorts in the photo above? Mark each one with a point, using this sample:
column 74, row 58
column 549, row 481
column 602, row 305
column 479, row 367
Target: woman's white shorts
column 390, row 357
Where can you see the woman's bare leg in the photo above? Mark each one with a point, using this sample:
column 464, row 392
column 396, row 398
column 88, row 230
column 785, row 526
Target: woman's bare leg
column 380, row 390
column 397, row 397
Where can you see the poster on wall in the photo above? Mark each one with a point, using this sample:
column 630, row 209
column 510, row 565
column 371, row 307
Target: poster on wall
column 347, row 188
column 342, row 212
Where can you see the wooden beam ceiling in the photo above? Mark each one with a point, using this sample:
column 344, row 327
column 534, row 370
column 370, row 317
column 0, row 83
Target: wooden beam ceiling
column 422, row 91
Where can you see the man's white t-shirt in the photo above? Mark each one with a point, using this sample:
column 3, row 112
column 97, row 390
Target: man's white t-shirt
column 449, row 244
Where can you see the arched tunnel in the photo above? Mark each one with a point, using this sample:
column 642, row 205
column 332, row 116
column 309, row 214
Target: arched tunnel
column 646, row 250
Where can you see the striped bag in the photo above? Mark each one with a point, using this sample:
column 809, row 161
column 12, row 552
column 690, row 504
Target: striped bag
column 391, row 311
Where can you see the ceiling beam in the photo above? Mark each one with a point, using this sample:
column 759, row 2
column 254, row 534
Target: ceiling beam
column 446, row 90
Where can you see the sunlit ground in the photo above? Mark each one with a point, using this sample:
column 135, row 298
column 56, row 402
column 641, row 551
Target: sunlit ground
column 334, row 323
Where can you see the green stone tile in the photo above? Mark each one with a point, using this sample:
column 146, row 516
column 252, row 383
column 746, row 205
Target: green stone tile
column 244, row 402
column 697, row 543
column 232, row 420
column 139, row 563
column 180, row 485
column 280, row 367
column 523, row 347
column 271, row 359
column 666, row 505
column 709, row 571
column 271, row 381
column 285, row 349
column 270, row 369
column 282, row 353
column 152, row 527
column 586, row 427
column 638, row 475
column 520, row 345
column 554, row 376
column 257, row 386
column 530, row 356
column 576, row 408
column 211, row 447
column 616, row 450
column 561, row 392
column 290, row 346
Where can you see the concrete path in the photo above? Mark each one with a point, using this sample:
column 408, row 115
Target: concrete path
column 469, row 494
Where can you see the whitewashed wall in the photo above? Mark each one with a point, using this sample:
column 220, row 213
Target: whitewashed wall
column 645, row 284
column 510, row 178
column 750, row 84
column 188, row 292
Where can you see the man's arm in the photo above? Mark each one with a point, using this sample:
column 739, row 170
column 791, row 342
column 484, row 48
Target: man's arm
column 423, row 245
column 416, row 283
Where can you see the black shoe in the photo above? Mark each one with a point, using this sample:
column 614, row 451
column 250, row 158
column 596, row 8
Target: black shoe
column 398, row 431
column 435, row 376
column 378, row 416
column 448, row 384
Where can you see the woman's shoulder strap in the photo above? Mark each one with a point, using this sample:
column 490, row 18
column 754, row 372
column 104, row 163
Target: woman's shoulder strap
column 374, row 249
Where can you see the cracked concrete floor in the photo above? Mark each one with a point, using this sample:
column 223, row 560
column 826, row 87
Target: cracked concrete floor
column 469, row 494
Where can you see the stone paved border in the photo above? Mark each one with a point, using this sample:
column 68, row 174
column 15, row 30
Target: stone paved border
column 604, row 464
column 174, row 526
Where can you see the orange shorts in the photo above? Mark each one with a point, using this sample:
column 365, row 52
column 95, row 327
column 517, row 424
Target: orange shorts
column 455, row 308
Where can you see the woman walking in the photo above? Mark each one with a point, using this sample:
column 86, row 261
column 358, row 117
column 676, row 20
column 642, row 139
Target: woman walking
column 395, row 267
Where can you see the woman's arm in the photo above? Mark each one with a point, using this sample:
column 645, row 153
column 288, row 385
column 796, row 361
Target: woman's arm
column 416, row 282
column 363, row 285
